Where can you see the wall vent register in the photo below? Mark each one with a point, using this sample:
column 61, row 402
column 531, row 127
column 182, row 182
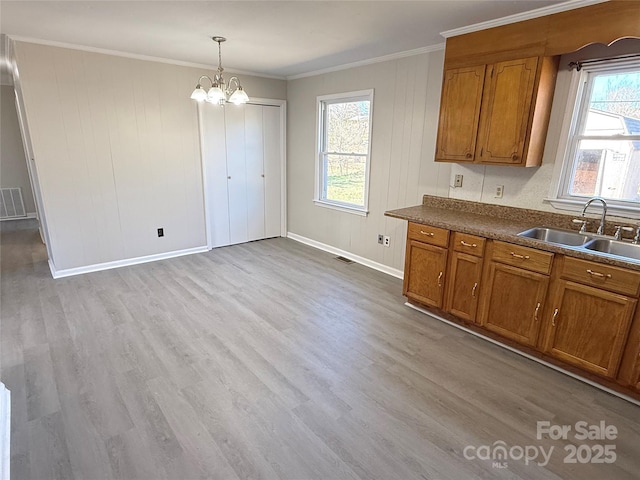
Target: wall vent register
column 11, row 204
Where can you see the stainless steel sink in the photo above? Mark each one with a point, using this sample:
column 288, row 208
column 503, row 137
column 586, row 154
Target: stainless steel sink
column 556, row 235
column 613, row 247
column 591, row 243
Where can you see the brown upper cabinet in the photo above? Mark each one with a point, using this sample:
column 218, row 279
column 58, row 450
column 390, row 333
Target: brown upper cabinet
column 496, row 114
column 460, row 114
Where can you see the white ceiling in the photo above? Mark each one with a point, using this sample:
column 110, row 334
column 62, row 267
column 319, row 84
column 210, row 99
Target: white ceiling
column 275, row 38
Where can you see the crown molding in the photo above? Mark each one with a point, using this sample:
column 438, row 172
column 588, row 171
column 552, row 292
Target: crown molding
column 361, row 63
column 136, row 56
column 519, row 17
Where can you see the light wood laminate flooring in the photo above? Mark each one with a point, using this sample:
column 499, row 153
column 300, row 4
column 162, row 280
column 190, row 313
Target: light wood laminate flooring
column 268, row 360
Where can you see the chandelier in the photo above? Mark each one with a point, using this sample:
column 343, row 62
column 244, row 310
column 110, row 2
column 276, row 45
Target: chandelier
column 220, row 92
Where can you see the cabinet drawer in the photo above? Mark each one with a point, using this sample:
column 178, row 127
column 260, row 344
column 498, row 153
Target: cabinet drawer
column 523, row 257
column 610, row 278
column 428, row 234
column 469, row 244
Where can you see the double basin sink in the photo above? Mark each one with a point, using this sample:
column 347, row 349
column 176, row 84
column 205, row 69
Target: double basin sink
column 593, row 243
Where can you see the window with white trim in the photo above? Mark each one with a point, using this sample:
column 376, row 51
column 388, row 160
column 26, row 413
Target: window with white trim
column 344, row 151
column 603, row 150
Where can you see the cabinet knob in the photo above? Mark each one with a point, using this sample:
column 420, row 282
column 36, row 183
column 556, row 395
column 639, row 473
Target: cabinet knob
column 468, row 155
column 514, row 157
column 473, row 290
column 228, row 178
column 440, row 279
column 555, row 315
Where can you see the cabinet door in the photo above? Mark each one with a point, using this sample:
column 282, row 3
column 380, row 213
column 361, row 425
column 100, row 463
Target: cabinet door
column 463, row 285
column 514, row 304
column 459, row 114
column 236, row 174
column 506, row 107
column 424, row 273
column 629, row 370
column 214, row 157
column 254, row 174
column 588, row 327
column 272, row 171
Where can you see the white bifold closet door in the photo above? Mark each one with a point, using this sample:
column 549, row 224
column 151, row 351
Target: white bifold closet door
column 242, row 154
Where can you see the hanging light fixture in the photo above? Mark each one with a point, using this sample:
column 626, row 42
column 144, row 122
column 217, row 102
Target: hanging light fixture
column 220, row 92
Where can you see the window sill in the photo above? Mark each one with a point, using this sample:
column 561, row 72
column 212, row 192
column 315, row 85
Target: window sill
column 577, row 206
column 342, row 208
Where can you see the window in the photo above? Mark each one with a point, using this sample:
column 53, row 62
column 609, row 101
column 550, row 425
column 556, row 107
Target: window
column 603, row 151
column 344, row 149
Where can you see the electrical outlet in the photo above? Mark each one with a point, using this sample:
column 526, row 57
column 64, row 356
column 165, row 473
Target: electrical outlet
column 161, row 232
column 499, row 191
column 458, row 181
column 380, row 239
column 387, row 241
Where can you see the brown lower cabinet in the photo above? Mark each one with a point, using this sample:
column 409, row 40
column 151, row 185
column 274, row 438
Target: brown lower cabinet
column 588, row 327
column 573, row 311
column 514, row 301
column 425, row 266
column 463, row 292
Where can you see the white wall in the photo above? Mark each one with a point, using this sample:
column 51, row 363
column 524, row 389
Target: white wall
column 117, row 151
column 407, row 95
column 13, row 164
column 405, row 114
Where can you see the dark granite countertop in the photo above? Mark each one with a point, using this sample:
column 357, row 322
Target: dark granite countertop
column 500, row 223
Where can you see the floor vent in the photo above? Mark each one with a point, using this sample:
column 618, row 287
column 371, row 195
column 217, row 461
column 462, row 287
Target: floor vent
column 11, row 204
column 344, row 259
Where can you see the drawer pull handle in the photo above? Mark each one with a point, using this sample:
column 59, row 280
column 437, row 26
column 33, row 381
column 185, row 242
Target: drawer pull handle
column 521, row 257
column 535, row 314
column 473, row 290
column 429, row 234
column 440, row 279
column 465, row 244
column 555, row 315
column 598, row 274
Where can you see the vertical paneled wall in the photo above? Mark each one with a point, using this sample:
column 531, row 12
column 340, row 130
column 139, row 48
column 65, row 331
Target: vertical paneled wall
column 13, row 164
column 118, row 154
column 405, row 116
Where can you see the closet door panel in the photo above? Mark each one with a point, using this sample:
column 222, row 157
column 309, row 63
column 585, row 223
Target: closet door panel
column 272, row 171
column 214, row 152
column 236, row 173
column 254, row 148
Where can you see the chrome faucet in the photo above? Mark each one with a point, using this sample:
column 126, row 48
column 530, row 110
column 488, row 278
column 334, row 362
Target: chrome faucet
column 604, row 212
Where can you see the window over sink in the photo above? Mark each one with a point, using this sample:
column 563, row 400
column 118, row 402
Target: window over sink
column 602, row 155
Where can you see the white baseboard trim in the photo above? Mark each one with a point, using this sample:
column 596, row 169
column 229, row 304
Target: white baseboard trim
column 122, row 263
column 526, row 355
column 351, row 256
